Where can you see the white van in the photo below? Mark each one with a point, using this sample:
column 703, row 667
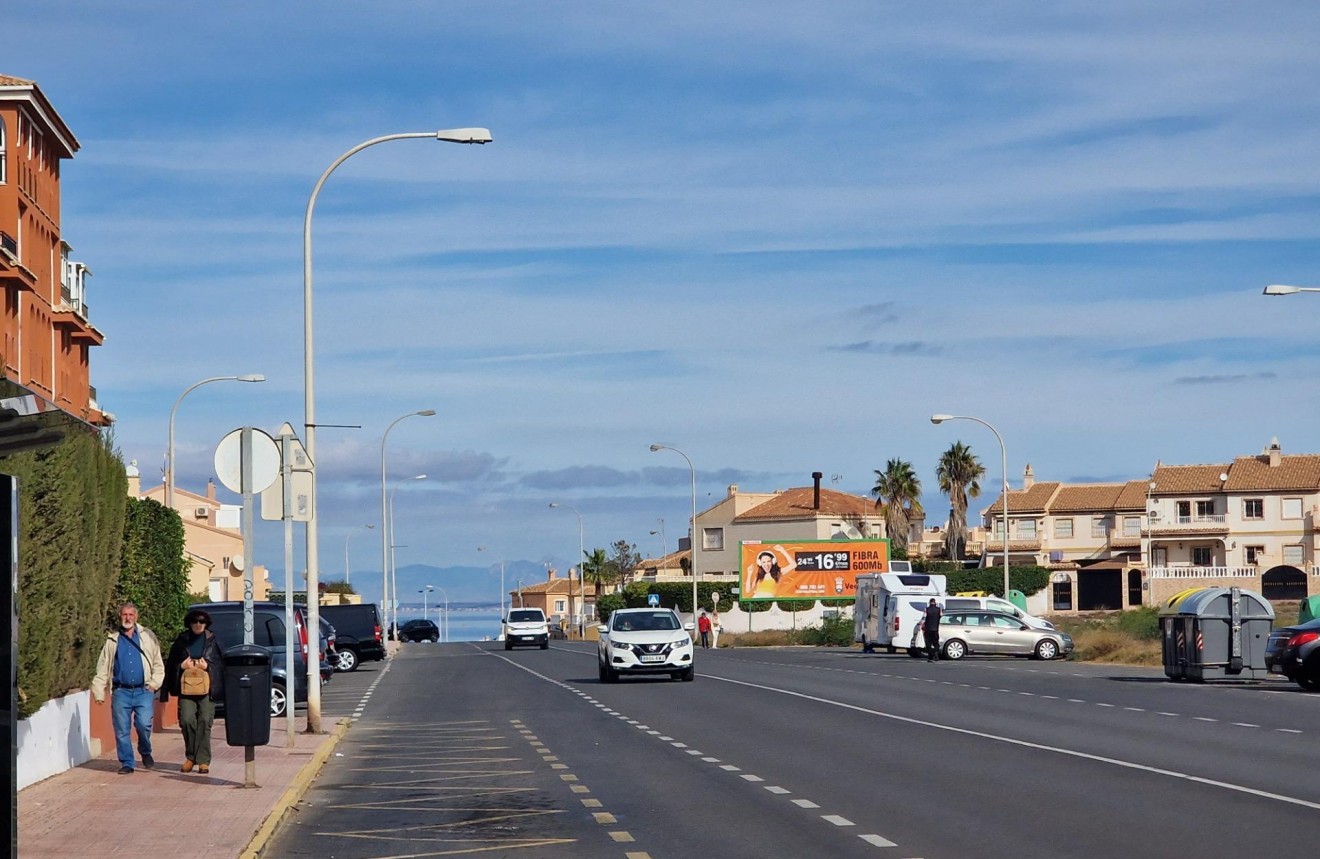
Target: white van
column 954, row 603
column 526, row 626
column 889, row 607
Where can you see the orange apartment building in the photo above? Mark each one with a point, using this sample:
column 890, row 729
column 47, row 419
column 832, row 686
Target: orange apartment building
column 47, row 336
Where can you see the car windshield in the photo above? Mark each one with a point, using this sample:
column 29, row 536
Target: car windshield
column 525, row 616
column 650, row 621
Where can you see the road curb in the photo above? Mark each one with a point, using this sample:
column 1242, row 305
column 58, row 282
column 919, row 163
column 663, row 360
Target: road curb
column 301, row 782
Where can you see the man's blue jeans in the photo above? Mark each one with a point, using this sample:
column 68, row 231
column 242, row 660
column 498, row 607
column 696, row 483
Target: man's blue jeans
column 128, row 706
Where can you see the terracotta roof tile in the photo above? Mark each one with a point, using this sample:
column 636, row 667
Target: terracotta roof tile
column 10, row 80
column 1100, row 497
column 1031, row 500
column 1295, row 472
column 552, row 586
column 1188, row 479
column 797, row 504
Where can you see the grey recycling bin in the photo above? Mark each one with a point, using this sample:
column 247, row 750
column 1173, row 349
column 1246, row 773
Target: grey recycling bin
column 1215, row 634
column 247, row 695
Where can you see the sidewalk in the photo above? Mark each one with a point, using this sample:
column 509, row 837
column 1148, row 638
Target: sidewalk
column 92, row 811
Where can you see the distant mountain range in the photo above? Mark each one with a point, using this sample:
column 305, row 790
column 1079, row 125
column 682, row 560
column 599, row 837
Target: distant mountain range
column 468, row 586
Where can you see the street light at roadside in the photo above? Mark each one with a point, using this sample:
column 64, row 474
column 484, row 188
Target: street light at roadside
column 1281, row 289
column 1003, row 454
column 425, row 609
column 695, row 536
column 392, row 581
column 455, row 135
column 169, row 455
column 444, row 618
column 346, row 536
column 582, row 554
column 484, row 549
column 386, row 534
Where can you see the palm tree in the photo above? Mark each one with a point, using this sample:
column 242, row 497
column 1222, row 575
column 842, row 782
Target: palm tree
column 596, row 569
column 959, row 473
column 897, row 491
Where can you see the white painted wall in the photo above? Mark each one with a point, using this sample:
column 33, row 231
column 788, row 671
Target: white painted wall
column 55, row 738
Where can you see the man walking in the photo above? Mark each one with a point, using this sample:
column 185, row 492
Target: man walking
column 703, row 627
column 930, row 627
column 131, row 665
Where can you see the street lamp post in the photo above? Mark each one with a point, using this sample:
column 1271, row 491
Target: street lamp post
column 456, row 135
column 386, row 533
column 1281, row 289
column 664, row 543
column 346, row 536
column 443, row 618
column 169, row 455
column 424, row 591
column 484, row 549
column 695, row 536
column 391, row 582
column 582, row 554
column 1003, row 454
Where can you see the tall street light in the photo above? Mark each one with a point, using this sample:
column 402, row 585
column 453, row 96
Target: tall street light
column 484, row 549
column 169, row 456
column 346, row 536
column 695, row 536
column 444, row 618
column 1281, row 289
column 582, row 554
column 1003, row 454
column 424, row 591
column 456, row 135
column 387, row 533
column 391, row 581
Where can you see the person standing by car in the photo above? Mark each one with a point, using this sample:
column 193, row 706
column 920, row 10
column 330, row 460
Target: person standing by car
column 130, row 665
column 196, row 650
column 930, row 627
column 703, row 627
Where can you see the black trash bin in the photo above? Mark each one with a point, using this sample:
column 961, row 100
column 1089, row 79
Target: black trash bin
column 247, row 695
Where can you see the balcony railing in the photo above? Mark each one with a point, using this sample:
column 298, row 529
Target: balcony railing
column 1201, row 519
column 9, row 244
column 1205, row 572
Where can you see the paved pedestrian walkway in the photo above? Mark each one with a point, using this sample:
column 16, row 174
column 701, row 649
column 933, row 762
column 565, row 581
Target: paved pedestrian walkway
column 91, row 810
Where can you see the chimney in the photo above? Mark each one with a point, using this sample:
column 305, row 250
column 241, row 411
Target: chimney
column 1028, row 478
column 134, row 480
column 550, row 574
column 815, row 500
column 1276, row 452
column 210, row 490
column 733, row 489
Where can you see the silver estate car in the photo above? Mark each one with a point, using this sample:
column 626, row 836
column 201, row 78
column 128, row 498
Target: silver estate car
column 964, row 632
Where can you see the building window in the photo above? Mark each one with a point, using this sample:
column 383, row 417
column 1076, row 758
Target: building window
column 1131, row 526
column 1026, row 529
column 1292, row 555
column 1099, row 526
column 1063, row 529
column 1184, row 512
column 999, row 529
column 1253, row 508
column 1292, row 508
column 1202, row 556
column 712, row 539
column 1254, row 554
column 1205, row 510
column 3, row 152
column 1159, row 556
column 560, row 606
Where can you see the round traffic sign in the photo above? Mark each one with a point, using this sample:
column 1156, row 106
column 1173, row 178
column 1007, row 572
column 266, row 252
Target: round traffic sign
column 265, row 461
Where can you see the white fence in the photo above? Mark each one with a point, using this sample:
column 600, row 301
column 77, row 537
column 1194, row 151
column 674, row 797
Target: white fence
column 1205, row 572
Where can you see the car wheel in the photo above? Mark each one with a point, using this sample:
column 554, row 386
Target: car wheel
column 1047, row 649
column 954, row 649
column 689, row 674
column 434, row 639
column 891, row 649
column 602, row 673
column 1309, row 682
column 347, row 661
column 545, row 645
column 278, row 700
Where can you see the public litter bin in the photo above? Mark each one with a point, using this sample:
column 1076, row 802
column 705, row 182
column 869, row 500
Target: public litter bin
column 1018, row 599
column 247, row 695
column 1215, row 634
column 1309, row 610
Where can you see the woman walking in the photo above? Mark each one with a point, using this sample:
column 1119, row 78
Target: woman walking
column 195, row 673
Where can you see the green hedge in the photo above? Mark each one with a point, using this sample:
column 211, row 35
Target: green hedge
column 71, row 521
column 1029, row 579
column 153, row 571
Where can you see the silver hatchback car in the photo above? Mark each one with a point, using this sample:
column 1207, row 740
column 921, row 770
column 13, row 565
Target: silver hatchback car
column 964, row 632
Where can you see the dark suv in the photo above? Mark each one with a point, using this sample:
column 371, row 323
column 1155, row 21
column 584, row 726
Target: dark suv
column 268, row 632
column 357, row 634
column 1294, row 652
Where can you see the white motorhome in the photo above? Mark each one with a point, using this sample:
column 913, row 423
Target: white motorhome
column 889, row 606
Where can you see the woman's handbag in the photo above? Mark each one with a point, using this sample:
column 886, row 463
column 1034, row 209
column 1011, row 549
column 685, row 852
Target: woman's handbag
column 195, row 682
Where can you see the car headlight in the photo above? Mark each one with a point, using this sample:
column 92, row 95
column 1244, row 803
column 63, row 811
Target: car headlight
column 620, row 645
column 682, row 642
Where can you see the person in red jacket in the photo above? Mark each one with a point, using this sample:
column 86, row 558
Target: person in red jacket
column 703, row 627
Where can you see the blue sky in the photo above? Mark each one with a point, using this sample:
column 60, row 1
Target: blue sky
column 777, row 236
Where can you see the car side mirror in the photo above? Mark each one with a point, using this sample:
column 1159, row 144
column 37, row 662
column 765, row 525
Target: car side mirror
column 503, row 621
column 602, row 629
column 689, row 626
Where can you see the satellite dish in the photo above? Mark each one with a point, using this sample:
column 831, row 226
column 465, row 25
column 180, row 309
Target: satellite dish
column 236, row 562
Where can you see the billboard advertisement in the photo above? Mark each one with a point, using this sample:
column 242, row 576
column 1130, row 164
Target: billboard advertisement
column 808, row 569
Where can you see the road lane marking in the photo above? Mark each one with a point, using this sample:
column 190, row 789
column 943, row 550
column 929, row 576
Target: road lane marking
column 774, row 788
column 805, row 803
column 1132, row 765
column 622, row 836
column 877, row 841
column 837, row 820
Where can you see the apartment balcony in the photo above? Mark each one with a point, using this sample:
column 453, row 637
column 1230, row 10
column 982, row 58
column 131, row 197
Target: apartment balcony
column 12, row 271
column 1190, row 572
column 1212, row 525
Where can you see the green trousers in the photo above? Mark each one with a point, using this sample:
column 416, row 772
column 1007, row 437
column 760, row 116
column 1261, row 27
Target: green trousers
column 196, row 715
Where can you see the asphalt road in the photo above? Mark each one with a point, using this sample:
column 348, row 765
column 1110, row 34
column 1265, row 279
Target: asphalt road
column 465, row 748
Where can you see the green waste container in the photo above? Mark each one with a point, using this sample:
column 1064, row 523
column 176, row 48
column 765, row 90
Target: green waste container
column 1018, row 599
column 1310, row 609
column 1215, row 634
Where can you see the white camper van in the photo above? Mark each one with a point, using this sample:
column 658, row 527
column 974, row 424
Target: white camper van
column 889, row 607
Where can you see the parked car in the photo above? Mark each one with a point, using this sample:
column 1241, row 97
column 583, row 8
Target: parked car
column 418, row 629
column 358, row 636
column 644, row 641
column 1294, row 652
column 268, row 633
column 526, row 626
column 964, row 632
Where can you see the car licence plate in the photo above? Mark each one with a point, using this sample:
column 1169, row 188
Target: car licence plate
column 653, row 657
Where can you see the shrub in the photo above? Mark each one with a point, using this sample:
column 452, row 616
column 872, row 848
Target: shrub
column 1141, row 622
column 832, row 632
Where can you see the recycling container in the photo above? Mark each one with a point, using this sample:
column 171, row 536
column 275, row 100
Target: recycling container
column 247, row 695
column 1215, row 634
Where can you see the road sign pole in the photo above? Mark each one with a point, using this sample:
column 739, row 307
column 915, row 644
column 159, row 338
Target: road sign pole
column 286, row 478
column 245, row 458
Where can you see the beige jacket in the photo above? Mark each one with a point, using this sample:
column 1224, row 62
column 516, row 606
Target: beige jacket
column 152, row 664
